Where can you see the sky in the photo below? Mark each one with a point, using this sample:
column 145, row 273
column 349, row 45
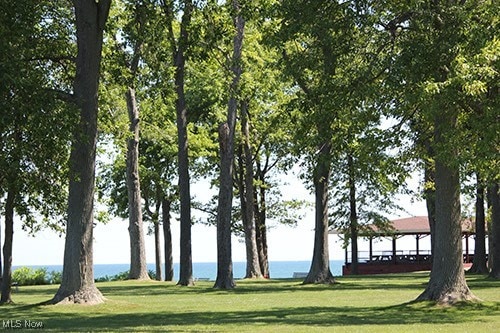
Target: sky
column 111, row 241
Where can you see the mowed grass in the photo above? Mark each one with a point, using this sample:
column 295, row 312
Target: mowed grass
column 356, row 304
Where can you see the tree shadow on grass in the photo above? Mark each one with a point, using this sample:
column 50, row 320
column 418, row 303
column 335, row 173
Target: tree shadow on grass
column 415, row 282
column 298, row 317
column 246, row 287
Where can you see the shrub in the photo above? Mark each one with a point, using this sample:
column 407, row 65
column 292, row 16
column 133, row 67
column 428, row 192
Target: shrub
column 105, row 278
column 120, row 276
column 55, row 277
column 28, row 276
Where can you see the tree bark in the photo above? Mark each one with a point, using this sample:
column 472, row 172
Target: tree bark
column 253, row 267
column 494, row 253
column 186, row 260
column 479, row 264
column 353, row 217
column 224, row 278
column 157, row 250
column 1, row 257
column 260, row 225
column 430, row 192
column 447, row 283
column 167, row 238
column 78, row 272
column 138, row 265
column 7, row 248
column 320, row 265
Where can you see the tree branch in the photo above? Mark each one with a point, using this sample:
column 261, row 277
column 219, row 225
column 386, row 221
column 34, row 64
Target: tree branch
column 53, row 58
column 300, row 80
column 62, row 95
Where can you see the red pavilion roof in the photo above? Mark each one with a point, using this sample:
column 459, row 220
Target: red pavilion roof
column 416, row 225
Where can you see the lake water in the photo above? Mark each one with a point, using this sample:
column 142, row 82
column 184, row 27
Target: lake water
column 278, row 269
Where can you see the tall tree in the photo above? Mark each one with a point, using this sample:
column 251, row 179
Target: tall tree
column 179, row 47
column 479, row 264
column 33, row 163
column 77, row 284
column 304, row 47
column 494, row 200
column 253, row 268
column 224, row 278
column 319, row 271
column 433, row 39
column 263, row 95
column 447, row 282
column 138, row 265
column 266, row 143
column 332, row 52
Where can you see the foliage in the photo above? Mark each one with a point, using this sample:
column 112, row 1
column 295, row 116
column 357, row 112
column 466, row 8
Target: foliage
column 35, row 125
column 447, row 57
column 27, row 276
column 122, row 276
column 338, row 59
column 145, row 25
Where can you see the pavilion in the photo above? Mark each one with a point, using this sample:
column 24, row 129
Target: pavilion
column 398, row 261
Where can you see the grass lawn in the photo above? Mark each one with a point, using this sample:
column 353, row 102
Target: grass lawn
column 357, row 304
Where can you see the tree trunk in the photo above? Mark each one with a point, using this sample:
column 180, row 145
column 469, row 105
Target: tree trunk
column 224, row 261
column 253, row 267
column 167, row 238
column 138, row 266
column 479, row 263
column 320, row 265
column 447, row 283
column 260, row 227
column 186, row 260
column 157, row 250
column 430, row 192
column 78, row 271
column 494, row 250
column 7, row 248
column 226, row 142
column 353, row 217
column 1, row 256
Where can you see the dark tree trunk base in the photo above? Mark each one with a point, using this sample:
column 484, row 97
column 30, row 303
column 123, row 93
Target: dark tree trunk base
column 225, row 284
column 87, row 296
column 141, row 278
column 478, row 269
column 447, row 296
column 320, row 278
column 186, row 283
column 254, row 276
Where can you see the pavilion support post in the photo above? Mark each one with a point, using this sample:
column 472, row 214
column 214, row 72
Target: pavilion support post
column 394, row 250
column 370, row 249
column 418, row 248
column 467, row 259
